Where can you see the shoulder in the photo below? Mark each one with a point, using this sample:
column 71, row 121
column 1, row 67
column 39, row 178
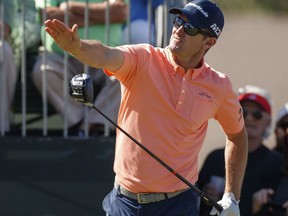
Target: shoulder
column 141, row 51
column 221, row 87
column 142, row 47
column 217, row 77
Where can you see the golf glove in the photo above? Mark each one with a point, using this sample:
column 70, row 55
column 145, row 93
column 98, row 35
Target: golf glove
column 229, row 204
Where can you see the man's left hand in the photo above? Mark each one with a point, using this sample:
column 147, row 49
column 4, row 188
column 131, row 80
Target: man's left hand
column 229, row 204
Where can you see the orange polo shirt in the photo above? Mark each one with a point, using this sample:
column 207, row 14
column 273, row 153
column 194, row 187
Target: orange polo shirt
column 167, row 110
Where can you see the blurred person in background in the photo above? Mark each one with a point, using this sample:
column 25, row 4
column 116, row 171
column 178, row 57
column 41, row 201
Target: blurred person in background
column 281, row 128
column 31, row 28
column 269, row 201
column 263, row 166
column 8, row 73
column 17, row 29
column 108, row 89
column 139, row 22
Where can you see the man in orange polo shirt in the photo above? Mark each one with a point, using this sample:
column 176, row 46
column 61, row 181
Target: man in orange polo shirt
column 168, row 96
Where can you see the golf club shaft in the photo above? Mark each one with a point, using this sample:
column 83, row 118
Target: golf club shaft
column 199, row 192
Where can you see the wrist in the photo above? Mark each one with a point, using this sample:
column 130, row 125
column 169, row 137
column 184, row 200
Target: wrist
column 231, row 196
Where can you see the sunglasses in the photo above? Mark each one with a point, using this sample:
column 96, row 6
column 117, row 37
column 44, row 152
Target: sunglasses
column 189, row 28
column 256, row 114
column 283, row 125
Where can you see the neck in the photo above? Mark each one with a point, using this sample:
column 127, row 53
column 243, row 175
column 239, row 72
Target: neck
column 187, row 63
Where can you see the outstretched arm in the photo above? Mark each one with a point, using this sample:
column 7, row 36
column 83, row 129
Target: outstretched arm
column 90, row 52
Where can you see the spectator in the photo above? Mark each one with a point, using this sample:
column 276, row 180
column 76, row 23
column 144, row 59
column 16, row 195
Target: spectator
column 8, row 66
column 281, row 128
column 168, row 96
column 31, row 28
column 109, row 90
column 263, row 167
column 139, row 26
column 139, row 23
column 269, row 201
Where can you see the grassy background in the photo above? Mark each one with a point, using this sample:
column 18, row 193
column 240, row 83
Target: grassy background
column 277, row 7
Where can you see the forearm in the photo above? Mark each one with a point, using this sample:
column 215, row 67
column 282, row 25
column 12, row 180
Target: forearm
column 236, row 152
column 91, row 52
column 98, row 55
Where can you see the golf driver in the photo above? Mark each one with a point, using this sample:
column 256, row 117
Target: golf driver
column 82, row 90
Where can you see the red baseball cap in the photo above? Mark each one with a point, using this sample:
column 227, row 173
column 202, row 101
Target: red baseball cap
column 256, row 94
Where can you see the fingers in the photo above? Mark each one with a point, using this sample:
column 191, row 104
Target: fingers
column 57, row 26
column 285, row 206
column 75, row 35
column 51, row 29
column 74, row 29
column 266, row 195
column 61, row 27
column 260, row 198
column 51, row 33
column 57, row 29
column 214, row 211
column 263, row 195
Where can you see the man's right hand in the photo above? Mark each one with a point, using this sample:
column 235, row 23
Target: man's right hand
column 66, row 38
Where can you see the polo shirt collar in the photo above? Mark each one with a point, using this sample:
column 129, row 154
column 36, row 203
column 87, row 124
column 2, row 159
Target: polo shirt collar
column 176, row 68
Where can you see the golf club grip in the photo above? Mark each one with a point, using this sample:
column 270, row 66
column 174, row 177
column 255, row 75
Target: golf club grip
column 212, row 202
column 193, row 187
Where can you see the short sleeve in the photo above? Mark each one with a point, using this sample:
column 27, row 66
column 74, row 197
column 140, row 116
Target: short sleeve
column 229, row 113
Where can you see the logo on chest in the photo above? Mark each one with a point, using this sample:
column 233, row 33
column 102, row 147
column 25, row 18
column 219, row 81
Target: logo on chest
column 204, row 94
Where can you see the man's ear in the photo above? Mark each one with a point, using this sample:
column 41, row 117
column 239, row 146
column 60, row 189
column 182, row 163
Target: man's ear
column 210, row 41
